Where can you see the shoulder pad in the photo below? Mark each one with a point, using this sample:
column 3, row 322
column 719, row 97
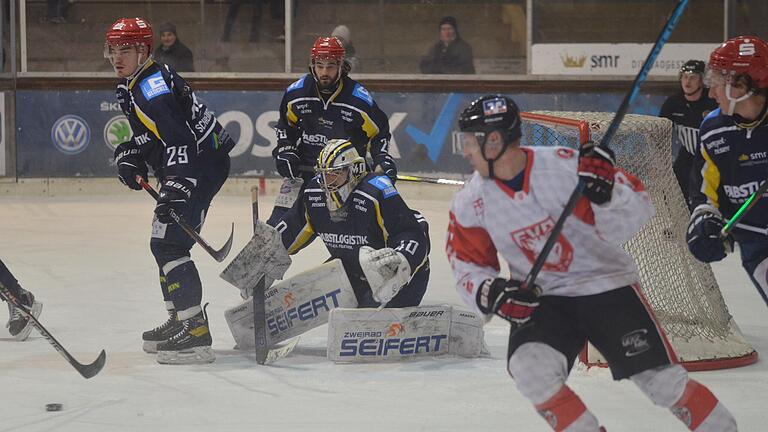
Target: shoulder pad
column 296, row 84
column 384, row 184
column 361, row 93
column 713, row 113
column 154, row 85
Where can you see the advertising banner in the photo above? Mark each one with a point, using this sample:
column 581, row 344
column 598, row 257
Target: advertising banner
column 613, row 59
column 74, row 133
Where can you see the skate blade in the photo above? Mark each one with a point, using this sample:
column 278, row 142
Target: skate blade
column 196, row 355
column 37, row 308
column 150, row 347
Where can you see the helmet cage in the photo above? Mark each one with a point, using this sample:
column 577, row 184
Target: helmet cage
column 340, row 168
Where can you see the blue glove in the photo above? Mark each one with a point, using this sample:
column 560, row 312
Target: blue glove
column 386, row 165
column 174, row 195
column 130, row 164
column 703, row 235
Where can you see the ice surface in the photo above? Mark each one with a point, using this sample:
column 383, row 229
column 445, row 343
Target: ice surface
column 87, row 259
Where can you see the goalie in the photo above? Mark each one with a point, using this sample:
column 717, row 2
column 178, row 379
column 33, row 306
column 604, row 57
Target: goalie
column 363, row 221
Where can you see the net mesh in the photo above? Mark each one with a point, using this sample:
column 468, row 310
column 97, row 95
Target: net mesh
column 682, row 291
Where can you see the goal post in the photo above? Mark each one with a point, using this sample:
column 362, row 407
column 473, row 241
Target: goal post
column 682, row 291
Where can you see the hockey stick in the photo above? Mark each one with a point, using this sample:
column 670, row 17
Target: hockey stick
column 259, row 312
column 86, row 370
column 218, row 255
column 417, row 179
column 756, row 195
column 404, row 177
column 264, row 355
column 606, row 140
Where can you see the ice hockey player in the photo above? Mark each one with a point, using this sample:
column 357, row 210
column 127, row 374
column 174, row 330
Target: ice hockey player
column 363, row 220
column 181, row 140
column 733, row 159
column 326, row 104
column 588, row 288
column 686, row 109
column 18, row 325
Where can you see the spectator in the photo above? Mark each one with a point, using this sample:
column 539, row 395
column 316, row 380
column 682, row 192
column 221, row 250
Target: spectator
column 342, row 33
column 451, row 54
column 687, row 108
column 171, row 51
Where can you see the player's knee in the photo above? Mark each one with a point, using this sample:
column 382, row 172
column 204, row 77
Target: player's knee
column 663, row 385
column 539, row 371
column 169, row 255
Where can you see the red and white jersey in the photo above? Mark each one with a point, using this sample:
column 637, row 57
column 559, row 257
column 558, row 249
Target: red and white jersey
column 488, row 218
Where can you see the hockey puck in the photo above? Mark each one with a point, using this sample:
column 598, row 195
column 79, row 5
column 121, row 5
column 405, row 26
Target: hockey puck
column 53, row 407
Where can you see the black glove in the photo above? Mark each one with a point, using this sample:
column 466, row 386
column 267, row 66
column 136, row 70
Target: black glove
column 596, row 169
column 386, row 165
column 507, row 299
column 130, row 164
column 287, row 159
column 703, row 235
column 174, row 195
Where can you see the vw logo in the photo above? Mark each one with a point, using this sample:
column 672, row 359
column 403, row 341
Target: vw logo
column 117, row 131
column 70, row 134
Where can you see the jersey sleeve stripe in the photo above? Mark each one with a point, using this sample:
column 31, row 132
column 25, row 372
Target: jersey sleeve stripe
column 471, row 244
column 710, row 179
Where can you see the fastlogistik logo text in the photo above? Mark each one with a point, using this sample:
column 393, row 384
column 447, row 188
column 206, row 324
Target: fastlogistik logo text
column 375, row 344
column 283, row 320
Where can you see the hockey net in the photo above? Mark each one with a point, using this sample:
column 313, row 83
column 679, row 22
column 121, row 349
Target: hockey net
column 682, row 291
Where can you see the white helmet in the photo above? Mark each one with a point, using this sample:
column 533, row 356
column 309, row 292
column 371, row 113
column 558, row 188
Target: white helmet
column 340, row 168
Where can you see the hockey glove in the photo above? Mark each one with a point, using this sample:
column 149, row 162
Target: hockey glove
column 130, row 164
column 386, row 165
column 386, row 270
column 287, row 160
column 507, row 299
column 703, row 235
column 174, row 195
column 596, row 169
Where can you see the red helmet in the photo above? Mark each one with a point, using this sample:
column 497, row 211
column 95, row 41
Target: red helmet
column 747, row 55
column 130, row 31
column 327, row 48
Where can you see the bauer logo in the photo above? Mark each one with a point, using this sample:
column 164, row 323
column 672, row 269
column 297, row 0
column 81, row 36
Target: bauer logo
column 117, row 131
column 71, row 134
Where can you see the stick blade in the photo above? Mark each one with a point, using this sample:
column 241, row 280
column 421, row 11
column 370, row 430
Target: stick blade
column 221, row 254
column 91, row 370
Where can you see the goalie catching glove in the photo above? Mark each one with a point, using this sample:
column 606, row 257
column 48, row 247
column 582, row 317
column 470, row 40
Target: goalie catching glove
column 703, row 235
column 507, row 299
column 386, row 270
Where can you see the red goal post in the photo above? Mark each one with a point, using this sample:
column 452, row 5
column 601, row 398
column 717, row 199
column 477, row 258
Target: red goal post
column 682, row 291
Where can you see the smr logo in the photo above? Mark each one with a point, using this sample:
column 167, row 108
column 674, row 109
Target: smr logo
column 71, row 134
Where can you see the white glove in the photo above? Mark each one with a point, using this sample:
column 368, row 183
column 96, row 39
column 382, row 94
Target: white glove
column 387, row 271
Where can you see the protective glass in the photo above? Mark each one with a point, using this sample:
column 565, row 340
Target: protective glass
column 470, row 142
column 715, row 78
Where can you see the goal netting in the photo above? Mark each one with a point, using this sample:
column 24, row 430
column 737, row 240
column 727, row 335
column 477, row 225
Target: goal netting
column 682, row 291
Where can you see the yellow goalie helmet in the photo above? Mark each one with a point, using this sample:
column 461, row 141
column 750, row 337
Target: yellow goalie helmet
column 340, row 168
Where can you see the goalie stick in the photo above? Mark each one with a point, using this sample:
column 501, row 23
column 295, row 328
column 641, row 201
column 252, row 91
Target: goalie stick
column 606, row 140
column 264, row 355
column 86, row 370
column 218, row 255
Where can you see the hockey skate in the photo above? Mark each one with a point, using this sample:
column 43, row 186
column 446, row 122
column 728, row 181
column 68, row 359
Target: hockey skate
column 19, row 326
column 161, row 333
column 192, row 345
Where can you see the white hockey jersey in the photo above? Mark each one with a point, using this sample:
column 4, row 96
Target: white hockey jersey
column 487, row 217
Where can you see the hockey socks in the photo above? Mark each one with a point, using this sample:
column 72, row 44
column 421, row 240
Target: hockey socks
column 700, row 410
column 183, row 283
column 566, row 412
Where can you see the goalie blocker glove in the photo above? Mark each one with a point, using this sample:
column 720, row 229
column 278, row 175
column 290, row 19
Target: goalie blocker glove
column 597, row 166
column 703, row 235
column 174, row 195
column 130, row 164
column 507, row 299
